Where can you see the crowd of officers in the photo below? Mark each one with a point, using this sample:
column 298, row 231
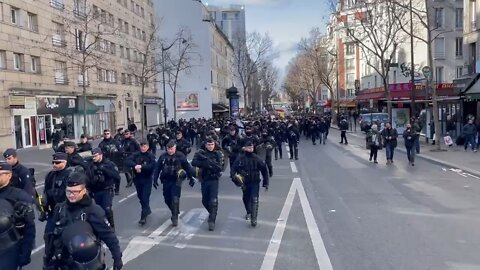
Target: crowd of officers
column 77, row 199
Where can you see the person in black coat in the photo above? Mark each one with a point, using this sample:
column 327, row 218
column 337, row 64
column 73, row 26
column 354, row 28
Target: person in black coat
column 129, row 146
column 153, row 140
column 389, row 136
column 21, row 177
column 16, row 208
column 74, row 159
column 409, row 136
column 343, row 126
column 84, row 145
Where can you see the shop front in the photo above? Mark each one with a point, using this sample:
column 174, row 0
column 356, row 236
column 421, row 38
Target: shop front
column 55, row 114
column 152, row 108
column 24, row 122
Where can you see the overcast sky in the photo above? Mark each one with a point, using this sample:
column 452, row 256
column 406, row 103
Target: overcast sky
column 286, row 21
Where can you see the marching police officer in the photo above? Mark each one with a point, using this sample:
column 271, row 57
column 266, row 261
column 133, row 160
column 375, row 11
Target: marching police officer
column 74, row 159
column 279, row 136
column 268, row 143
column 248, row 167
column 182, row 144
column 76, row 229
column 210, row 164
column 129, row 146
column 21, row 177
column 293, row 136
column 343, row 126
column 55, row 184
column 84, row 145
column 231, row 143
column 119, row 135
column 172, row 167
column 17, row 225
column 102, row 175
column 111, row 148
column 153, row 140
column 143, row 163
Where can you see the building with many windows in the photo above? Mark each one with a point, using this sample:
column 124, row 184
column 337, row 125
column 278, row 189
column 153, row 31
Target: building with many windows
column 62, row 60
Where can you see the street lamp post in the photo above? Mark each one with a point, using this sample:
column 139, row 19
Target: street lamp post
column 412, row 73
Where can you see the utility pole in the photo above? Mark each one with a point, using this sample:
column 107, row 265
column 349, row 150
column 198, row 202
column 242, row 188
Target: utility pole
column 412, row 72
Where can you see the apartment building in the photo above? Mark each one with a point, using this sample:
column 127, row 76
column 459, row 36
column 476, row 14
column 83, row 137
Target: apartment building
column 44, row 83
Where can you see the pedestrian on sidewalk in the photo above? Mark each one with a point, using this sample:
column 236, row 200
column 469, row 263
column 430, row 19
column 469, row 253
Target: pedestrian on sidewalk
column 409, row 136
column 323, row 131
column 343, row 126
column 469, row 133
column 389, row 135
column 417, row 127
column 375, row 140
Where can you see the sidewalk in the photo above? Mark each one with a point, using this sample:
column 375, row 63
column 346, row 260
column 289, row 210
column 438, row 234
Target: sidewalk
column 453, row 157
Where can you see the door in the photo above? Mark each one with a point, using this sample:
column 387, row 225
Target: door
column 26, row 135
column 49, row 127
column 33, row 125
column 42, row 132
column 17, row 121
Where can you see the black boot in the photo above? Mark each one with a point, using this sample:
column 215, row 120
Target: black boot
column 175, row 211
column 213, row 214
column 296, row 153
column 143, row 218
column 253, row 220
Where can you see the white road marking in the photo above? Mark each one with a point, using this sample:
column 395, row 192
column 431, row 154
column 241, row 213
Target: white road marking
column 318, row 245
column 128, row 197
column 141, row 244
column 288, row 150
column 38, row 249
column 471, row 175
column 294, row 167
column 189, row 225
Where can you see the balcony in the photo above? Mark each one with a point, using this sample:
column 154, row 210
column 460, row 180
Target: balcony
column 61, row 79
column 80, row 13
column 80, row 83
column 439, row 55
column 58, row 41
column 58, row 4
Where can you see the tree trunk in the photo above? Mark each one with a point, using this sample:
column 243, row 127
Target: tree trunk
column 142, row 117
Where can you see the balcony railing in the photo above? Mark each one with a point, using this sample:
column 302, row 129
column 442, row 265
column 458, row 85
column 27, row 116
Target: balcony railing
column 439, row 55
column 80, row 13
column 57, row 4
column 80, row 83
column 61, row 79
column 58, row 41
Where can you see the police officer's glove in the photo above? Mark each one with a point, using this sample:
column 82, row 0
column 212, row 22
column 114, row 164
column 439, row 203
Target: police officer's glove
column 192, row 182
column 23, row 212
column 155, row 184
column 117, row 264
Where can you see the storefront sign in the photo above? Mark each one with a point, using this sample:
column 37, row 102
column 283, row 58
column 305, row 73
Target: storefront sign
column 187, row 101
column 17, row 102
column 152, row 100
column 55, row 105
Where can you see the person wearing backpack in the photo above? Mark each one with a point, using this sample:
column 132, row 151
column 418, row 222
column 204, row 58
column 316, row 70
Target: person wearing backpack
column 17, row 224
column 78, row 226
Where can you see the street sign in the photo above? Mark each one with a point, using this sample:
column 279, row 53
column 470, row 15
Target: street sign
column 427, row 72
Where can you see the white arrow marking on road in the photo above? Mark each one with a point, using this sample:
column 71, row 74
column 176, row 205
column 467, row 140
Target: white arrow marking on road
column 318, row 245
column 141, row 244
column 294, row 167
column 38, row 249
column 190, row 224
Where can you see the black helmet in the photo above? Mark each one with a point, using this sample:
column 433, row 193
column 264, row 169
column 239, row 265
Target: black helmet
column 82, row 245
column 8, row 234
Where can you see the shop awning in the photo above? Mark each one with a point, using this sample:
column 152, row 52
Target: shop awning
column 347, row 103
column 366, row 96
column 219, row 108
column 472, row 91
column 91, row 108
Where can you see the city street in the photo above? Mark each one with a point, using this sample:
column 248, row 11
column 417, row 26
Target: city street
column 331, row 209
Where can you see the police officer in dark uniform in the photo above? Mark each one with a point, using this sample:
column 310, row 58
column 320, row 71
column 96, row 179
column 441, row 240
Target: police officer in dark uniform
column 55, row 184
column 143, row 163
column 182, row 144
column 112, row 150
column 17, row 224
column 268, row 144
column 119, row 135
column 21, row 177
column 129, row 146
column 231, row 144
column 210, row 164
column 293, row 136
column 102, row 175
column 172, row 167
column 84, row 145
column 153, row 140
column 248, row 167
column 280, row 138
column 249, row 137
column 74, row 159
column 76, row 229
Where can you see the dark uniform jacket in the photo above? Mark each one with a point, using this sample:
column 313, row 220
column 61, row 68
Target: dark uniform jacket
column 84, row 147
column 231, row 144
column 75, row 160
column 147, row 160
column 19, row 253
column 130, row 146
column 183, row 146
column 250, row 166
column 22, row 179
column 168, row 165
column 110, row 147
column 54, row 190
column 102, row 175
column 293, row 135
column 96, row 219
column 210, row 163
column 152, row 139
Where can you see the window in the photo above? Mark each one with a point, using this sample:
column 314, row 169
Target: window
column 18, row 61
column 3, row 59
column 350, row 80
column 350, row 63
column 438, row 17
column 113, row 48
column 32, row 22
column 96, row 11
column 439, row 48
column 459, row 72
column 58, row 4
column 473, row 15
column 80, row 80
column 142, row 12
column 14, row 13
column 111, row 20
column 60, row 72
column 103, row 16
column 123, row 78
column 80, row 39
column 134, row 31
column 439, row 74
column 35, row 64
column 120, row 25
column 132, row 5
column 122, row 55
column 101, row 75
column 459, row 47
column 80, row 8
column 126, row 28
column 1, row 11
column 224, row 15
column 144, row 36
column 350, row 48
column 459, row 18
column 127, row 55
column 58, row 35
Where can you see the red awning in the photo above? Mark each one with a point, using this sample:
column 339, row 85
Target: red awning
column 372, row 95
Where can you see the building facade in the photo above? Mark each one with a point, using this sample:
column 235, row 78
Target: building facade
column 46, row 86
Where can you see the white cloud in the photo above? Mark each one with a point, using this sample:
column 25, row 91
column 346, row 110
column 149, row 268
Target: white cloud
column 273, row 3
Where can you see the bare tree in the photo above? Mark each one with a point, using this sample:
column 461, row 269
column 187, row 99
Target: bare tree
column 292, row 89
column 82, row 40
column 268, row 80
column 181, row 62
column 250, row 53
column 377, row 32
column 146, row 64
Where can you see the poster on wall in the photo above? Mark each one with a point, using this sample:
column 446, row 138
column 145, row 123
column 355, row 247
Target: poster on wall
column 400, row 119
column 234, row 107
column 187, row 101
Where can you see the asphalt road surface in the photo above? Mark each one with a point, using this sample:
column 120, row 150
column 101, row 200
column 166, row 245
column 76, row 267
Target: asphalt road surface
column 331, row 209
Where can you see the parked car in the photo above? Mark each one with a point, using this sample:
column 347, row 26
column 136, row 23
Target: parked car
column 365, row 120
